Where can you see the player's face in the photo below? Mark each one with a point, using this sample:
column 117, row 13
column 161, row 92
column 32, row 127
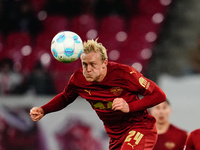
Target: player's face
column 161, row 112
column 94, row 70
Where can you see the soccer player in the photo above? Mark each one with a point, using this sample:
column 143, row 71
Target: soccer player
column 170, row 137
column 192, row 142
column 113, row 91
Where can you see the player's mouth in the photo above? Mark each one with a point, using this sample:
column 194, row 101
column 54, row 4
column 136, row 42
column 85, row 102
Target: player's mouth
column 88, row 75
column 161, row 118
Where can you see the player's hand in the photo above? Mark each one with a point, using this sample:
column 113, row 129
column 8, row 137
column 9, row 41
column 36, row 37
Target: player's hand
column 36, row 113
column 120, row 104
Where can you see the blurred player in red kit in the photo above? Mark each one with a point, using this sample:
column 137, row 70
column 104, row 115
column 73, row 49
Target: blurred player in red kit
column 113, row 91
column 170, row 137
column 192, row 142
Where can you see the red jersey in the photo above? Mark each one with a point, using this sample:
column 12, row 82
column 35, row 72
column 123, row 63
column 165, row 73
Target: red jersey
column 120, row 81
column 192, row 142
column 173, row 139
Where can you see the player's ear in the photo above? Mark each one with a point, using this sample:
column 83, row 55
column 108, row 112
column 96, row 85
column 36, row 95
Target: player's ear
column 105, row 62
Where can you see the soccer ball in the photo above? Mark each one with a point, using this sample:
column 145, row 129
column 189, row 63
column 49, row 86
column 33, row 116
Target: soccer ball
column 66, row 46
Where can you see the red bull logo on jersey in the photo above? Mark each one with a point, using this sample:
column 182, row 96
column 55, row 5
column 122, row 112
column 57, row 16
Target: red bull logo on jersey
column 102, row 105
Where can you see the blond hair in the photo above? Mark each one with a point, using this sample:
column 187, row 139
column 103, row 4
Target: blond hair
column 94, row 46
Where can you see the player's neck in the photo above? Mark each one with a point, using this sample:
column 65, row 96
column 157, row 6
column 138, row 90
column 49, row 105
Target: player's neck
column 162, row 128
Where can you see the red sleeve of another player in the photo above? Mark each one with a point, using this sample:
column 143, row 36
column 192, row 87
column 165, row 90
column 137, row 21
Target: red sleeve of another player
column 153, row 95
column 189, row 143
column 61, row 100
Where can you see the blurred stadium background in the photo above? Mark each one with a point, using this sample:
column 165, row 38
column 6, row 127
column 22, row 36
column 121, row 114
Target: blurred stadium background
column 160, row 38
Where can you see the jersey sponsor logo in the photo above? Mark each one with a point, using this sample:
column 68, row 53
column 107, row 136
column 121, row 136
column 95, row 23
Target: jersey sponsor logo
column 102, row 105
column 88, row 91
column 170, row 145
column 116, row 91
column 143, row 82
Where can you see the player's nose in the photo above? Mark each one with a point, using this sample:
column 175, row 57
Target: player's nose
column 89, row 67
